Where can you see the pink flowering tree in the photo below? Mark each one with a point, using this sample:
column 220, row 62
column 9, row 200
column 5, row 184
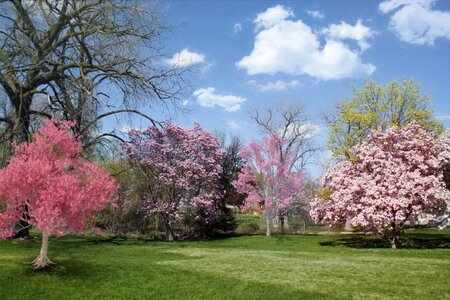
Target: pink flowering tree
column 267, row 179
column 395, row 175
column 49, row 186
column 181, row 174
column 445, row 140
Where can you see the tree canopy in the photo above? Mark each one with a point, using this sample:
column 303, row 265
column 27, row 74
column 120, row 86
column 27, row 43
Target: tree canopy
column 267, row 179
column 81, row 60
column 179, row 173
column 376, row 106
column 49, row 186
column 291, row 124
column 394, row 175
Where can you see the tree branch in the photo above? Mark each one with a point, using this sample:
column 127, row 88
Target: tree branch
column 41, row 113
column 101, row 136
column 153, row 121
column 6, row 120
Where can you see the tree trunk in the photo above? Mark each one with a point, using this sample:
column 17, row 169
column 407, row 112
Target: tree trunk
column 276, row 221
column 286, row 222
column 21, row 228
column 21, row 129
column 170, row 236
column 42, row 260
column 395, row 241
column 169, row 229
column 269, row 227
column 348, row 224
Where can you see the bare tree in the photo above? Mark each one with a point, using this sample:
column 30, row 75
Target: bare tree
column 82, row 60
column 5, row 132
column 5, row 149
column 291, row 124
column 87, row 56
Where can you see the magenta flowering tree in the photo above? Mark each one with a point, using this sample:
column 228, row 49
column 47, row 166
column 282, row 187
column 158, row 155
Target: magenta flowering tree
column 267, row 179
column 49, row 186
column 396, row 174
column 181, row 169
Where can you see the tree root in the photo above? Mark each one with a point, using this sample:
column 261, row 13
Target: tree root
column 42, row 262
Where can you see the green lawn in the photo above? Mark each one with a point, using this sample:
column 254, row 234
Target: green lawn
column 247, row 267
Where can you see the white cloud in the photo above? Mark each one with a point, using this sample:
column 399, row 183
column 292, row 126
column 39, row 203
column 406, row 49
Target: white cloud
column 416, row 22
column 185, row 58
column 278, row 85
column 305, row 130
column 291, row 47
column 126, row 129
column 390, row 5
column 233, row 125
column 208, row 98
column 443, row 118
column 206, row 67
column 185, row 102
column 237, row 27
column 272, row 16
column 315, row 14
column 358, row 32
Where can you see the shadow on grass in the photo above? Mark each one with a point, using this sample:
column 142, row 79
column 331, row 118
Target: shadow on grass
column 82, row 241
column 114, row 240
column 408, row 241
column 73, row 241
column 66, row 269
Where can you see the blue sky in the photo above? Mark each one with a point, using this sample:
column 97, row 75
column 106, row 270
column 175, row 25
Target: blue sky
column 250, row 54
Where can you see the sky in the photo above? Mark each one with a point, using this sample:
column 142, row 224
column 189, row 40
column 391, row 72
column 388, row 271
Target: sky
column 254, row 54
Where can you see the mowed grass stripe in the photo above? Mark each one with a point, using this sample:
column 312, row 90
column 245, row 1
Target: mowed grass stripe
column 247, row 267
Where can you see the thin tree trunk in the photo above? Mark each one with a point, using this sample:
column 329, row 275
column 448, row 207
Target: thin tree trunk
column 268, row 228
column 170, row 236
column 348, row 224
column 42, row 260
column 286, row 223
column 169, row 229
column 395, row 241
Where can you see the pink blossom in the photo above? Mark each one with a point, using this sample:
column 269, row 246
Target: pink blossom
column 185, row 162
column 394, row 175
column 59, row 188
column 267, row 179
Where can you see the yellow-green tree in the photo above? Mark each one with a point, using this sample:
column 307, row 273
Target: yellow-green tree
column 377, row 106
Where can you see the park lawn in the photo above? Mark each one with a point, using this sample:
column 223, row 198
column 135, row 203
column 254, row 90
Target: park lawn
column 246, row 267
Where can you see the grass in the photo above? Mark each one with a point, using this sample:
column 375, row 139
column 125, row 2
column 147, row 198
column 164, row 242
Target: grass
column 247, row 218
column 246, row 267
column 248, row 224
